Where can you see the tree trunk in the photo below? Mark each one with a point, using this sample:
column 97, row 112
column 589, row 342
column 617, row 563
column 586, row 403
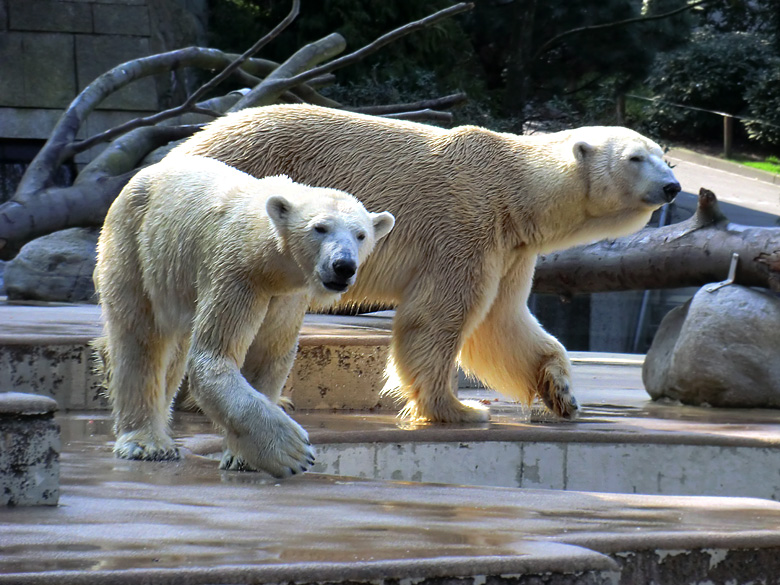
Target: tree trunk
column 691, row 253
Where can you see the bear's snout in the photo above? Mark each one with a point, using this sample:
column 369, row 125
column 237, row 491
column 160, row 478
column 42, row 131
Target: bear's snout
column 345, row 268
column 671, row 190
column 341, row 274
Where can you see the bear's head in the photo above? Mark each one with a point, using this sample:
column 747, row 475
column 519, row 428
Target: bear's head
column 625, row 171
column 329, row 234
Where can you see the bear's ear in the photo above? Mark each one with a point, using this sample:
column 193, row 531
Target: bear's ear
column 581, row 150
column 383, row 223
column 278, row 209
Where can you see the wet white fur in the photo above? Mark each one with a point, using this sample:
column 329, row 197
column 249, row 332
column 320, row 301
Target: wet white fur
column 197, row 262
column 473, row 209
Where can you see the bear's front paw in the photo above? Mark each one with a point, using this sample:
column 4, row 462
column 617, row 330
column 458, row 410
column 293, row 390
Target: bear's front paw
column 554, row 388
column 280, row 447
column 141, row 446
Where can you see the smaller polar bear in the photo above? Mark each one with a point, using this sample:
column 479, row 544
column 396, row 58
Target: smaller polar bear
column 197, row 262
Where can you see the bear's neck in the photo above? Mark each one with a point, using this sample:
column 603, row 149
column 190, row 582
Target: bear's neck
column 542, row 195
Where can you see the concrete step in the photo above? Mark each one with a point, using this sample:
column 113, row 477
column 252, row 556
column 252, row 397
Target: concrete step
column 44, row 350
column 125, row 522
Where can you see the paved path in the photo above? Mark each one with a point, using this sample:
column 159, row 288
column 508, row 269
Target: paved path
column 732, row 184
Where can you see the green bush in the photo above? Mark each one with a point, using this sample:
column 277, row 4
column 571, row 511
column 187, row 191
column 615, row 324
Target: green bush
column 763, row 99
column 714, row 72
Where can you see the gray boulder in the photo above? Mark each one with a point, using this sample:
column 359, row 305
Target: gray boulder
column 57, row 267
column 720, row 348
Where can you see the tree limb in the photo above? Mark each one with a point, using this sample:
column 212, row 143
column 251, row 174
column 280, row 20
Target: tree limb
column 303, row 59
column 422, row 116
column 432, row 104
column 275, row 87
column 691, row 253
column 88, row 199
column 607, row 25
column 189, row 103
column 31, row 212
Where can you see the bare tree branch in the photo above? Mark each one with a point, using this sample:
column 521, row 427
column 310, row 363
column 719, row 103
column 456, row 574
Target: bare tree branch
column 303, row 59
column 442, row 102
column 35, row 208
column 558, row 38
column 56, row 150
column 189, row 103
column 426, row 115
column 271, row 88
column 88, row 199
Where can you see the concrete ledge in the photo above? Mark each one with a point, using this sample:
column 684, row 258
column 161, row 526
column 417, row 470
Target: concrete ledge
column 44, row 349
column 29, row 450
column 233, row 527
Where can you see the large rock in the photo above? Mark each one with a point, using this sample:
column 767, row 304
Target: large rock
column 57, row 267
column 720, row 348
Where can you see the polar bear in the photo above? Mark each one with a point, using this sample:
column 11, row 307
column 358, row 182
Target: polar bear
column 473, row 208
column 196, row 262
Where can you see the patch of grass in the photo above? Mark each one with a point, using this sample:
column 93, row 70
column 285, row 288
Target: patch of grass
column 770, row 164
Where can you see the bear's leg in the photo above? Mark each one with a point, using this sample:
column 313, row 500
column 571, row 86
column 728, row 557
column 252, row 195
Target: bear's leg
column 272, row 353
column 426, row 338
column 137, row 388
column 270, row 357
column 176, row 365
column 257, row 431
column 511, row 353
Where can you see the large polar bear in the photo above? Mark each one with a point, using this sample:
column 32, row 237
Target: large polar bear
column 473, row 209
column 196, row 262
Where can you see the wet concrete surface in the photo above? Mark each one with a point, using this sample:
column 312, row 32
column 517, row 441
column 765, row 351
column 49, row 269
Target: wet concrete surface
column 187, row 522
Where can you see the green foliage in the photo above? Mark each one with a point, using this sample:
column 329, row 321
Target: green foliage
column 493, row 52
column 756, row 16
column 714, row 72
column 763, row 99
column 443, row 50
column 526, row 53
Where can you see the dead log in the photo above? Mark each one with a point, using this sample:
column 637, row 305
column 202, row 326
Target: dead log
column 691, row 253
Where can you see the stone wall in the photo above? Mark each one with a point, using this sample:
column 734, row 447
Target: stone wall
column 50, row 50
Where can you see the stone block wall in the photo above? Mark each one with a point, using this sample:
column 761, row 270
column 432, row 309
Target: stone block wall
column 50, row 50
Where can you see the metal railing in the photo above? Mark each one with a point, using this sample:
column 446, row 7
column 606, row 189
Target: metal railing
column 728, row 119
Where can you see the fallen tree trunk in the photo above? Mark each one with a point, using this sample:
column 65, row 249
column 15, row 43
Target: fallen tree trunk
column 691, row 253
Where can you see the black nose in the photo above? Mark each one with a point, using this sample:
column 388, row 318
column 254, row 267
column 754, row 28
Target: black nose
column 344, row 269
column 671, row 190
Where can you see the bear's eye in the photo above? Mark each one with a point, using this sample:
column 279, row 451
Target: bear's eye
column 361, row 236
column 321, row 229
column 636, row 158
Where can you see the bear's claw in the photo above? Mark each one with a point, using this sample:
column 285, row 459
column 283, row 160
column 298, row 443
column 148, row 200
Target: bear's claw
column 554, row 390
column 137, row 449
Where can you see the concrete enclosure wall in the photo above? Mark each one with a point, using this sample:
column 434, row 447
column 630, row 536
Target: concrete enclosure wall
column 50, row 50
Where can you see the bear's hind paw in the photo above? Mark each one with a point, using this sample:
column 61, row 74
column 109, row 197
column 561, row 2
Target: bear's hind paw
column 554, row 390
column 129, row 446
